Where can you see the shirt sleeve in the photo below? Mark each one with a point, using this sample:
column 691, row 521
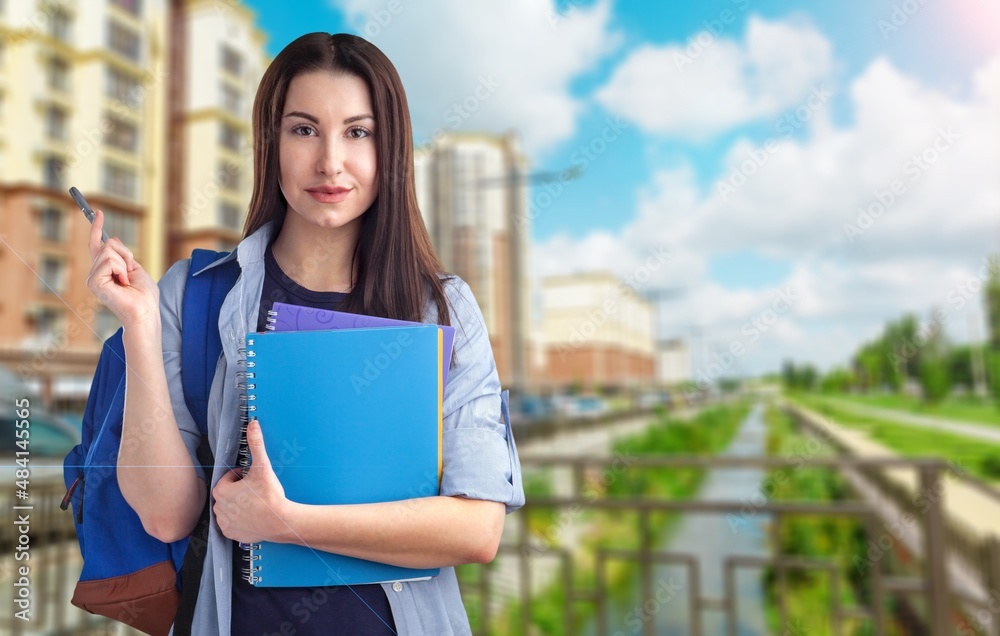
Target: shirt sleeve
column 171, row 297
column 480, row 458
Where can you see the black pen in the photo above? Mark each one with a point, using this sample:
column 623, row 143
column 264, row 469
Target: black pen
column 87, row 210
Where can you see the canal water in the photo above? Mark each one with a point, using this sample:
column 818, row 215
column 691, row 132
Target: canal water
column 711, row 538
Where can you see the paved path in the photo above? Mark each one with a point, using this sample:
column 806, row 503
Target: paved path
column 968, row 429
column 964, row 502
column 964, row 505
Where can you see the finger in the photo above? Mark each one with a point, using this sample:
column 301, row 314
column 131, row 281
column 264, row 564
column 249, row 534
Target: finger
column 114, row 262
column 107, row 265
column 95, row 242
column 255, row 442
column 227, row 477
column 115, row 243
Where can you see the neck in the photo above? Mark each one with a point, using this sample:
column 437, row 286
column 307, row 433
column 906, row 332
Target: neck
column 319, row 259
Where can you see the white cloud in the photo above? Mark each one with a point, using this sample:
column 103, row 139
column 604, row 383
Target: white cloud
column 444, row 49
column 714, row 83
column 794, row 206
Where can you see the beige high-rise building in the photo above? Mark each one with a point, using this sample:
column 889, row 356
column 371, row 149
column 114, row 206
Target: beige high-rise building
column 598, row 332
column 223, row 57
column 472, row 191
column 88, row 99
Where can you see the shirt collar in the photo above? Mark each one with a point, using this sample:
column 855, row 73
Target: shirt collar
column 250, row 249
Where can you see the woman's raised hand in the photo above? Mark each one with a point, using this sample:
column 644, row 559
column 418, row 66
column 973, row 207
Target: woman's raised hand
column 119, row 281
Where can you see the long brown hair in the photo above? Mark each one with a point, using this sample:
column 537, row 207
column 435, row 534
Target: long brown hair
column 395, row 260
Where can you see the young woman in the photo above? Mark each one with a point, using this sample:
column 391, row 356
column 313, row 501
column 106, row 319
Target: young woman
column 333, row 223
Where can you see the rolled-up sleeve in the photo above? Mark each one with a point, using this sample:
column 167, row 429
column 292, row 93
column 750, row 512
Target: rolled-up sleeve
column 171, row 297
column 480, row 457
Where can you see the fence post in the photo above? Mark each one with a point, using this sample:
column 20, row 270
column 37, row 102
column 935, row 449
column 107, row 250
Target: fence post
column 936, row 581
column 992, row 580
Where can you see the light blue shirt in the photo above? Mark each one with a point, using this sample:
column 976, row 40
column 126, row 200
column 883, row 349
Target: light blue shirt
column 480, row 458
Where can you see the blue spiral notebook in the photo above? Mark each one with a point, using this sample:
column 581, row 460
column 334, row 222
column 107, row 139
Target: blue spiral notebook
column 348, row 416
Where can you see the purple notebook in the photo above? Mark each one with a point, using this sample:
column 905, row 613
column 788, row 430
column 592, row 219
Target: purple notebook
column 286, row 317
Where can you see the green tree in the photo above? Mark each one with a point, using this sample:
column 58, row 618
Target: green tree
column 901, row 347
column 801, row 377
column 960, row 367
column 934, row 363
column 838, row 380
column 868, row 367
column 991, row 300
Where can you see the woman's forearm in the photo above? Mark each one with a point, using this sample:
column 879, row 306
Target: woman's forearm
column 428, row 532
column 155, row 470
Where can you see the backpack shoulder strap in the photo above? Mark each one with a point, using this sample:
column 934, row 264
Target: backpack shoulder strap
column 200, row 350
column 200, row 341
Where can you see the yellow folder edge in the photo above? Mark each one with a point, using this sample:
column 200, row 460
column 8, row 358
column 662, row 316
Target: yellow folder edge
column 441, row 363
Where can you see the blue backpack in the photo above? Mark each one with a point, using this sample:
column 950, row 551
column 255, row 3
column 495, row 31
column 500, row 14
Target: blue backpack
column 128, row 575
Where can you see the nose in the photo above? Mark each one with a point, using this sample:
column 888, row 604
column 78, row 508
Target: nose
column 331, row 158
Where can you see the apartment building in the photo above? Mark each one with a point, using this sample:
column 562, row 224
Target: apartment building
column 89, row 98
column 223, row 57
column 473, row 193
column 81, row 86
column 598, row 332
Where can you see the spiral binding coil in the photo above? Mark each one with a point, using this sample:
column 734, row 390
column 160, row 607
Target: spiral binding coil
column 246, row 381
column 246, row 408
column 272, row 318
column 250, row 570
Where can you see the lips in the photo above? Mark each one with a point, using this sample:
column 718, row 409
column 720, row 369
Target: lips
column 328, row 189
column 328, row 194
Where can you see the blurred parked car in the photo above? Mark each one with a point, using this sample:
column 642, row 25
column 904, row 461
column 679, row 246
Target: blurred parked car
column 652, row 399
column 580, row 406
column 529, row 408
column 50, row 436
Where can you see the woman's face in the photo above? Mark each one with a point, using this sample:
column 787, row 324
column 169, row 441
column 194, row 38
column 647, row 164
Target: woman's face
column 326, row 149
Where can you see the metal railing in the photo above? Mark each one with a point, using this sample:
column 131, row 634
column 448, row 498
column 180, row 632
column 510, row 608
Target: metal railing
column 935, row 600
column 930, row 587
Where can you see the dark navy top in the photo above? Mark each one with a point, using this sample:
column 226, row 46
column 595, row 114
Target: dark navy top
column 304, row 611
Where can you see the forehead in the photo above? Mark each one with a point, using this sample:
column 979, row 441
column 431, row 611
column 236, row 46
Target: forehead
column 326, row 94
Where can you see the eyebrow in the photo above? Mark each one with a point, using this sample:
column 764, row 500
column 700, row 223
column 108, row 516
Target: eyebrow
column 313, row 119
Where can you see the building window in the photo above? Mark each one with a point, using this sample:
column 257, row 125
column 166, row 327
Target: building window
column 230, row 137
column 122, row 87
column 48, row 322
column 230, row 216
column 232, row 61
column 52, row 173
column 229, row 176
column 55, row 123
column 122, row 135
column 231, row 99
column 124, row 226
column 59, row 25
column 53, row 275
column 58, row 73
column 123, row 40
column 119, row 181
column 132, row 6
column 51, row 224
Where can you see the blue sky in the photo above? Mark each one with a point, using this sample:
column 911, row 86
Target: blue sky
column 663, row 172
